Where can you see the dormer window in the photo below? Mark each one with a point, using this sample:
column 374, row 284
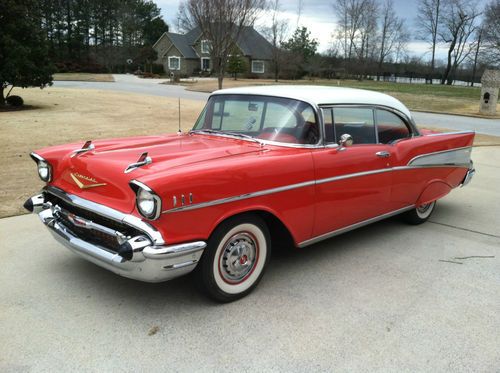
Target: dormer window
column 205, row 46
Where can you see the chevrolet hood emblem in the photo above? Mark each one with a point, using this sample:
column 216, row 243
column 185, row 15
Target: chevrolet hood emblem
column 90, row 182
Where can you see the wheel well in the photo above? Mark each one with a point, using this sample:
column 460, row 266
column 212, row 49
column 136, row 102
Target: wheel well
column 280, row 235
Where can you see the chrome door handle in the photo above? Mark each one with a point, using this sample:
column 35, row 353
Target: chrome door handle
column 383, row 154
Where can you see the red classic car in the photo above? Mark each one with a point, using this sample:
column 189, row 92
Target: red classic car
column 261, row 166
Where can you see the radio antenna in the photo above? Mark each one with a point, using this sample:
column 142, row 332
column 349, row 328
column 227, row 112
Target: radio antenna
column 179, row 132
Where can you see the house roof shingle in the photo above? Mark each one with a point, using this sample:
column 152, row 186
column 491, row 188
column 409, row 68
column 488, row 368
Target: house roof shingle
column 181, row 43
column 250, row 42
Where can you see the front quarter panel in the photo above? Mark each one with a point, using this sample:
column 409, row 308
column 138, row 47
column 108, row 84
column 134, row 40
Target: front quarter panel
column 193, row 196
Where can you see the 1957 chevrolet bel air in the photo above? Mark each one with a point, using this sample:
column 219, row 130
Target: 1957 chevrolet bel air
column 262, row 165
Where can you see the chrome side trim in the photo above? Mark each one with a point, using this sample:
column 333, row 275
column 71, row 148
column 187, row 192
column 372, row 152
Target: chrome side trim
column 455, row 156
column 451, row 133
column 349, row 176
column 302, row 185
column 108, row 212
column 239, row 197
column 353, row 226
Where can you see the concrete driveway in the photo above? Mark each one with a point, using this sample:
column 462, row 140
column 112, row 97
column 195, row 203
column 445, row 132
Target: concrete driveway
column 387, row 297
column 131, row 83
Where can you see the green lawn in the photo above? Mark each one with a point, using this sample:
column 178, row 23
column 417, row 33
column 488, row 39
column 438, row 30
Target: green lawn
column 416, row 89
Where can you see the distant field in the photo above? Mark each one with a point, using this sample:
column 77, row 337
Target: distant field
column 84, row 77
column 419, row 97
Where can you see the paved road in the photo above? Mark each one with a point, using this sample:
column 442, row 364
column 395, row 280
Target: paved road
column 457, row 122
column 130, row 83
column 376, row 299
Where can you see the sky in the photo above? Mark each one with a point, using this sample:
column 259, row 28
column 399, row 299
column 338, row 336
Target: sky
column 318, row 17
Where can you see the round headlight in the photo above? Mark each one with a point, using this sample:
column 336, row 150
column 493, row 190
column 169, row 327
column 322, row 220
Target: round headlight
column 44, row 171
column 148, row 204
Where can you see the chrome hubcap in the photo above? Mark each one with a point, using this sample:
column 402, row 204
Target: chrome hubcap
column 424, row 211
column 238, row 257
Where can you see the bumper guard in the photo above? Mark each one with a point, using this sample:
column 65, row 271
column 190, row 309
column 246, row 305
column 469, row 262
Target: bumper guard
column 143, row 259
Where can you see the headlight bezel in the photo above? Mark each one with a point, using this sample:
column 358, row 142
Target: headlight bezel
column 140, row 189
column 39, row 162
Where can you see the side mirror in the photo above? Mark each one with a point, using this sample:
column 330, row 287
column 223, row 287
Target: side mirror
column 346, row 140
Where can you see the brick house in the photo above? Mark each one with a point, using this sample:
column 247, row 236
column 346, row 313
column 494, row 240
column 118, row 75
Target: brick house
column 188, row 54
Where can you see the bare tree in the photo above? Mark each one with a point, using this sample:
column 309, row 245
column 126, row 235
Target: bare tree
column 357, row 25
column 220, row 22
column 491, row 28
column 477, row 47
column 459, row 24
column 428, row 20
column 276, row 33
column 392, row 34
column 300, row 7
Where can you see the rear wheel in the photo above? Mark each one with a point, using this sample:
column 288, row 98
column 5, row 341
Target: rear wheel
column 420, row 214
column 235, row 258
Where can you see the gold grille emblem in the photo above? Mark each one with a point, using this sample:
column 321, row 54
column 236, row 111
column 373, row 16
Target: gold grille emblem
column 77, row 178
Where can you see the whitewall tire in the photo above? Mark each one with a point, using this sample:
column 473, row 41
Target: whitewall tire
column 235, row 258
column 420, row 214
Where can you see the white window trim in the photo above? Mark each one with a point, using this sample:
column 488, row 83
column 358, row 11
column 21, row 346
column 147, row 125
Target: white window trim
column 201, row 63
column 172, row 57
column 207, row 44
column 263, row 67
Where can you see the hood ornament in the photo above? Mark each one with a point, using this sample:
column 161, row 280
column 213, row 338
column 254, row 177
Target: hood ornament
column 77, row 178
column 142, row 161
column 85, row 148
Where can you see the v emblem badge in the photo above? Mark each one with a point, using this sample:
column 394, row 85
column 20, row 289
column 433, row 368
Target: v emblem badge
column 76, row 178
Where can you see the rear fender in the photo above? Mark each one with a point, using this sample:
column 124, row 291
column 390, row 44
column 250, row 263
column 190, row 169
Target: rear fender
column 434, row 190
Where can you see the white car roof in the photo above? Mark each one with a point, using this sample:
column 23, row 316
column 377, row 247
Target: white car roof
column 321, row 95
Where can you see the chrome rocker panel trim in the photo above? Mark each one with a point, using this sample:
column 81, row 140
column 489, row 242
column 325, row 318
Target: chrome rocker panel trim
column 153, row 263
column 353, row 226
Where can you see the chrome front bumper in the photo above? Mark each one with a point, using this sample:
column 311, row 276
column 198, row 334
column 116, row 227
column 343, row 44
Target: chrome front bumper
column 147, row 257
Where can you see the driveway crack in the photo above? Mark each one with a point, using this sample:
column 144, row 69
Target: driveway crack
column 465, row 229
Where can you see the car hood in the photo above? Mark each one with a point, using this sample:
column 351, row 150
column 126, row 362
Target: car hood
column 98, row 175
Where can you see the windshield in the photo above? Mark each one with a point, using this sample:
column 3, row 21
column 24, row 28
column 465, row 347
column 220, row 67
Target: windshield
column 260, row 117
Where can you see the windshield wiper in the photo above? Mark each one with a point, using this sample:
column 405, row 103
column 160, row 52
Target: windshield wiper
column 228, row 133
column 242, row 135
column 204, row 131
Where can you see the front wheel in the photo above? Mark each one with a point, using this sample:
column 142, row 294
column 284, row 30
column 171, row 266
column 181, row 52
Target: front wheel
column 419, row 214
column 235, row 258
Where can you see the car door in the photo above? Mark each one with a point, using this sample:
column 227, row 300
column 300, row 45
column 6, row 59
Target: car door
column 353, row 183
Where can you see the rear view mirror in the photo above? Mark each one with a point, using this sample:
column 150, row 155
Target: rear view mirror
column 346, row 140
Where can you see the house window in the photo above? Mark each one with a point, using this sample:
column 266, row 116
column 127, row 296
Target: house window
column 205, row 46
column 174, row 63
column 257, row 67
column 205, row 63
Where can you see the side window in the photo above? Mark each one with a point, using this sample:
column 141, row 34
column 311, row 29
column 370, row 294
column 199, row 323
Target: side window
column 357, row 122
column 390, row 127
